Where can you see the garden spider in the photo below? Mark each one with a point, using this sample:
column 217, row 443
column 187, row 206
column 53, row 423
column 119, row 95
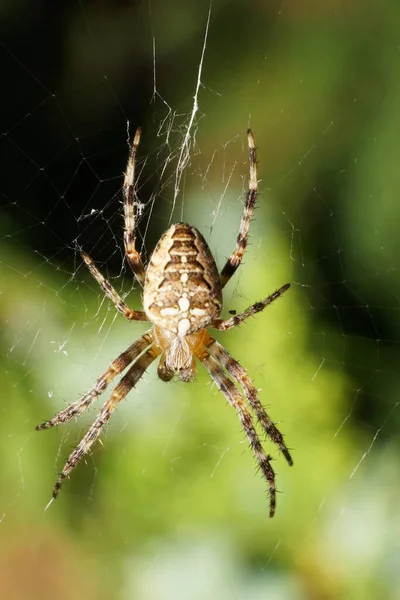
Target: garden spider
column 182, row 296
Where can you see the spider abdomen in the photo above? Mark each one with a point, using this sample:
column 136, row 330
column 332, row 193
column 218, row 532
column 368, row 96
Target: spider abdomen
column 182, row 290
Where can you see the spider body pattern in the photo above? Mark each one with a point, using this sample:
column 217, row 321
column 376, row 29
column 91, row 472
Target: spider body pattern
column 182, row 297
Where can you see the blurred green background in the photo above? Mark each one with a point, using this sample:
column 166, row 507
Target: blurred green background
column 169, row 506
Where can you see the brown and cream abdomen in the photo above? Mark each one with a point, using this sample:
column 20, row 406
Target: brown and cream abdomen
column 182, row 291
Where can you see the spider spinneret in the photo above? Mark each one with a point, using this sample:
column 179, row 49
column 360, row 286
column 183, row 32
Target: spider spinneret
column 182, row 297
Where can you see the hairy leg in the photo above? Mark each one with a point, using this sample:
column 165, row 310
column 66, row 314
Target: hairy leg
column 110, row 292
column 249, row 312
column 133, row 256
column 116, row 367
column 120, row 392
column 235, row 399
column 235, row 258
column 239, row 374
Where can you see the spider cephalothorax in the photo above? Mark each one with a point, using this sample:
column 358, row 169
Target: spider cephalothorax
column 182, row 297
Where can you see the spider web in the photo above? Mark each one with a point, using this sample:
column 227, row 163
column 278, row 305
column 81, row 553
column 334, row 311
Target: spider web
column 172, row 499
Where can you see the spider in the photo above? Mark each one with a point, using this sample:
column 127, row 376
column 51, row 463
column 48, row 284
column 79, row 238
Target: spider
column 182, row 297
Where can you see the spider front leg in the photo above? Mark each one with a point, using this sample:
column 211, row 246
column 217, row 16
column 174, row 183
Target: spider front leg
column 110, row 292
column 249, row 312
column 235, row 399
column 116, row 367
column 133, row 256
column 235, row 259
column 240, row 375
column 120, row 392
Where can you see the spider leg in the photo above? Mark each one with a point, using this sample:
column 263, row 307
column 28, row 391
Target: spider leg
column 249, row 312
column 241, row 241
column 116, row 367
column 110, row 292
column 119, row 393
column 239, row 374
column 133, row 256
column 237, row 401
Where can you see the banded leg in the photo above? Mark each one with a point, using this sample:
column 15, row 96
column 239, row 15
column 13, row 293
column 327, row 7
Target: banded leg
column 239, row 374
column 237, row 401
column 241, row 241
column 249, row 312
column 116, row 367
column 120, row 392
column 133, row 256
column 110, row 292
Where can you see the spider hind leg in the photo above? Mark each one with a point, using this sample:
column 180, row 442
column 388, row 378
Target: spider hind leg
column 129, row 195
column 236, row 257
